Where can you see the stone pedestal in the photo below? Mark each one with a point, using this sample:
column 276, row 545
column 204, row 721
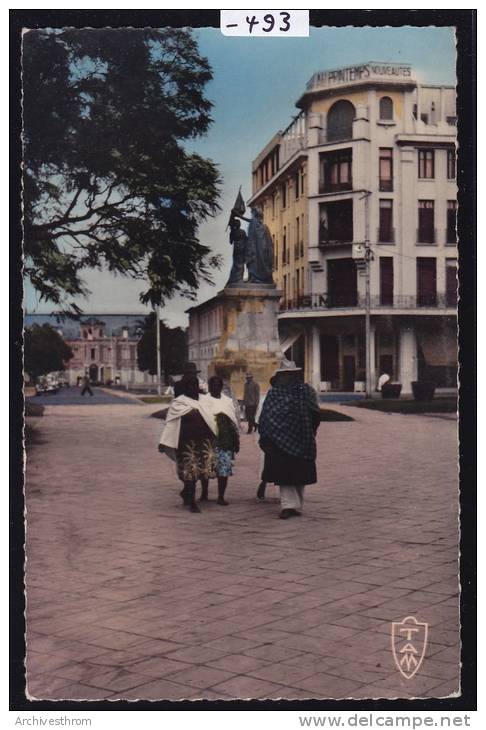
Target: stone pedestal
column 248, row 340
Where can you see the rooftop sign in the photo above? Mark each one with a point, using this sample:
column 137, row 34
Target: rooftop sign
column 366, row 72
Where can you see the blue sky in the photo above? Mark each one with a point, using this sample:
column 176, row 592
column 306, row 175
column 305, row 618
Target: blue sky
column 255, row 86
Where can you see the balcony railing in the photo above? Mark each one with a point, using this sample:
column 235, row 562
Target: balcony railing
column 349, row 300
column 386, row 186
column 426, row 235
column 336, row 134
column 385, row 235
column 327, row 187
column 328, row 242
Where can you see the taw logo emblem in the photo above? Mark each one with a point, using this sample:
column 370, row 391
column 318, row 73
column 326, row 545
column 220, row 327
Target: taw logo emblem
column 409, row 641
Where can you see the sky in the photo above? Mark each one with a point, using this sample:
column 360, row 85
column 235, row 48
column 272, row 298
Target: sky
column 256, row 82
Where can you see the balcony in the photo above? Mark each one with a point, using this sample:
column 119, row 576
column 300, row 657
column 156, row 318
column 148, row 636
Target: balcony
column 352, row 301
column 326, row 187
column 335, row 135
column 426, row 235
column 385, row 235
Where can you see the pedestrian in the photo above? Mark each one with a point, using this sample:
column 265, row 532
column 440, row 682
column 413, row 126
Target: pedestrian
column 86, row 386
column 251, row 396
column 227, row 436
column 190, row 368
column 260, row 495
column 188, row 438
column 288, row 424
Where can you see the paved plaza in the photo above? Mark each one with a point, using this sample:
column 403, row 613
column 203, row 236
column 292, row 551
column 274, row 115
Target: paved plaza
column 131, row 596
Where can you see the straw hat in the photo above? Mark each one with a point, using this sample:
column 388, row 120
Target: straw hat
column 287, row 366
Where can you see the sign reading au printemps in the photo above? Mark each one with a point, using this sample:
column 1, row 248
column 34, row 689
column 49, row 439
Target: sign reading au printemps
column 370, row 71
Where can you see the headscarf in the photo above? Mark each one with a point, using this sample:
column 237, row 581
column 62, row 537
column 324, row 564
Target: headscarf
column 287, row 419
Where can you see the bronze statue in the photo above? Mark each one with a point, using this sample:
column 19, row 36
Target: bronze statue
column 239, row 241
column 255, row 249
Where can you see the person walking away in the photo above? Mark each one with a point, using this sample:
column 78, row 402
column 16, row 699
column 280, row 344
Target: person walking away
column 251, row 396
column 260, row 495
column 227, row 436
column 86, row 386
column 188, row 438
column 288, row 425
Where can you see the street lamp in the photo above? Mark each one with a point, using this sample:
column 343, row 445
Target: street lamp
column 368, row 257
column 159, row 369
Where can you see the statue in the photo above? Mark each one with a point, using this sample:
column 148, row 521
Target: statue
column 255, row 249
column 239, row 240
column 260, row 250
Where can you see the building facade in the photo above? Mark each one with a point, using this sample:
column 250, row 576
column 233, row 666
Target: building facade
column 368, row 162
column 104, row 347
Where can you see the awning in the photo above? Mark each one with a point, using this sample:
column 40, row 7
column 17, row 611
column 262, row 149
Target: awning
column 289, row 340
column 439, row 348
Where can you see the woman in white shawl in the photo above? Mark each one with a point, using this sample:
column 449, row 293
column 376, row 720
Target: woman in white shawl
column 227, row 434
column 189, row 438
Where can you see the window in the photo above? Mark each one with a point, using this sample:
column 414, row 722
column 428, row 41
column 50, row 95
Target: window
column 426, row 282
column 386, row 281
column 426, row 232
column 386, row 108
column 93, row 353
column 302, row 181
column 451, row 282
column 385, row 231
column 283, row 195
column 296, row 185
column 284, row 246
column 386, row 169
column 451, row 221
column 336, row 222
column 342, row 286
column 297, row 238
column 451, row 164
column 275, row 252
column 335, row 171
column 340, row 121
column 301, row 241
column 426, row 164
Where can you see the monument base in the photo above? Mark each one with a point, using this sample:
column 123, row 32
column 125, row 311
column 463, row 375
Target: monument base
column 248, row 340
column 236, row 333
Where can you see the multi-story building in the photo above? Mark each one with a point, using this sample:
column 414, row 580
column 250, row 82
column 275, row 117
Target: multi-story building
column 369, row 161
column 104, row 347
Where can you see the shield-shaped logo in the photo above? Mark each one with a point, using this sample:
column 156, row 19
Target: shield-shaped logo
column 409, row 641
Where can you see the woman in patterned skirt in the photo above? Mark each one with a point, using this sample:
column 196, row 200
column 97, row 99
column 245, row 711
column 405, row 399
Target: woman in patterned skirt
column 227, row 434
column 189, row 437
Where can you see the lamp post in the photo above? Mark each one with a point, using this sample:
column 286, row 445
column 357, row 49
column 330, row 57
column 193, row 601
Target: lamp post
column 159, row 369
column 368, row 257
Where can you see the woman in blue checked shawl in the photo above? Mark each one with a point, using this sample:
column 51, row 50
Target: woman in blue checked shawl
column 288, row 423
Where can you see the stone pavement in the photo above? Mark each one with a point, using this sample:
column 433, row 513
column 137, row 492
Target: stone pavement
column 130, row 596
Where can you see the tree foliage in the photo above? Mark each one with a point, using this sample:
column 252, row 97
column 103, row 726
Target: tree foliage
column 44, row 350
column 107, row 181
column 173, row 348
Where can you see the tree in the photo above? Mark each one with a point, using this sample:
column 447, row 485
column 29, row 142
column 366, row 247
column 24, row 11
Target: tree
column 107, row 181
column 44, row 351
column 173, row 348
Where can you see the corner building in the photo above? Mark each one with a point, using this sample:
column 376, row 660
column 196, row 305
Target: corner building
column 370, row 157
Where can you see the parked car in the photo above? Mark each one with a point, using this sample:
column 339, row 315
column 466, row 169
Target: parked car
column 47, row 384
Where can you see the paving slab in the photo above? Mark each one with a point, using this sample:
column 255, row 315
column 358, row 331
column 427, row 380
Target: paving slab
column 131, row 596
